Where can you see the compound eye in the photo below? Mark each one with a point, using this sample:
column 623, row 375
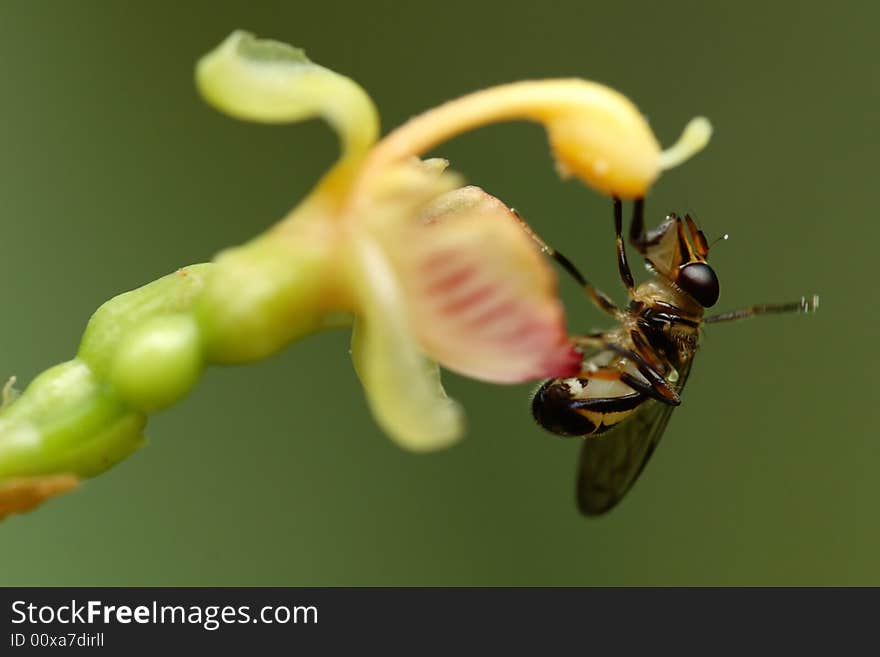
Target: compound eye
column 698, row 280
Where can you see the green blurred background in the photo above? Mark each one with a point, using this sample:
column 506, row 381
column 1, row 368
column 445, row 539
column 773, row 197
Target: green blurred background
column 113, row 173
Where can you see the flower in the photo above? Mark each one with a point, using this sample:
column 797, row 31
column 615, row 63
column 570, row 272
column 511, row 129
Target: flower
column 433, row 271
column 426, row 270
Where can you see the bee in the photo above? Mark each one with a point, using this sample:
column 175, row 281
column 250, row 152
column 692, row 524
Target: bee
column 633, row 375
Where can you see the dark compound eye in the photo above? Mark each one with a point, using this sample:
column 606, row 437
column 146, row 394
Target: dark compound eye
column 698, row 280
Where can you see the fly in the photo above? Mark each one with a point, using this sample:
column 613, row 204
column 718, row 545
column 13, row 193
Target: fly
column 633, row 375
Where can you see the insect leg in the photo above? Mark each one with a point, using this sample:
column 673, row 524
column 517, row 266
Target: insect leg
column 637, row 226
column 656, row 386
column 602, row 300
column 645, row 350
column 622, row 265
column 805, row 305
column 614, row 374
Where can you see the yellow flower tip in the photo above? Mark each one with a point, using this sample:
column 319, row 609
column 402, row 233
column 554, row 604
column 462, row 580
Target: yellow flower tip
column 23, row 494
column 607, row 144
column 621, row 157
column 693, row 139
column 596, row 133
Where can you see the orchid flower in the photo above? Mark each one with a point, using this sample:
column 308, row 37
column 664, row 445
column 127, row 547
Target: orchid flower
column 426, row 269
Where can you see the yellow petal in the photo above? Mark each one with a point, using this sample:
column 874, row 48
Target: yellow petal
column 271, row 82
column 402, row 387
column 595, row 132
column 482, row 298
column 401, row 194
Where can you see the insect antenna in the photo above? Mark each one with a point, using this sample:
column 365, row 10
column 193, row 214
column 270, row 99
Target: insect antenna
column 720, row 238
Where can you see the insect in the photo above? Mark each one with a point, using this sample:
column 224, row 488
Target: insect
column 633, row 375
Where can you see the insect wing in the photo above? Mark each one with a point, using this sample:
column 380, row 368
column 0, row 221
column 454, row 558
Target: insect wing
column 611, row 463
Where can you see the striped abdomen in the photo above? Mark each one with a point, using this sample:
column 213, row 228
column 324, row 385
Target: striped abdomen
column 582, row 407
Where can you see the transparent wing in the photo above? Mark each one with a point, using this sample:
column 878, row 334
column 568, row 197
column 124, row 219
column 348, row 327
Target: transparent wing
column 611, row 463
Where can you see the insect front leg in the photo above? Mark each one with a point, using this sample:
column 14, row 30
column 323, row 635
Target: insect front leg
column 622, row 265
column 602, row 300
column 637, row 226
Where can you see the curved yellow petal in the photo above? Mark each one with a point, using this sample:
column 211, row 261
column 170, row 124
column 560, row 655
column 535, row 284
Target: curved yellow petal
column 596, row 133
column 271, row 82
column 402, row 386
column 482, row 298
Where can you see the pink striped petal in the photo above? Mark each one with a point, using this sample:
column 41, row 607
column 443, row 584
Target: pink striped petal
column 482, row 298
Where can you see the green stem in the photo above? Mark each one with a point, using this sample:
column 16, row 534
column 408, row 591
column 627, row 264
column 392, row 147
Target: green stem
column 144, row 350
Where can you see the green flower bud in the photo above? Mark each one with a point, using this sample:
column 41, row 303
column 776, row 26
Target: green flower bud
column 158, row 363
column 66, row 421
column 113, row 321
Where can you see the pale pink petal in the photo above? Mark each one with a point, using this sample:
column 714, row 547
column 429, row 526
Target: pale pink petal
column 482, row 298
